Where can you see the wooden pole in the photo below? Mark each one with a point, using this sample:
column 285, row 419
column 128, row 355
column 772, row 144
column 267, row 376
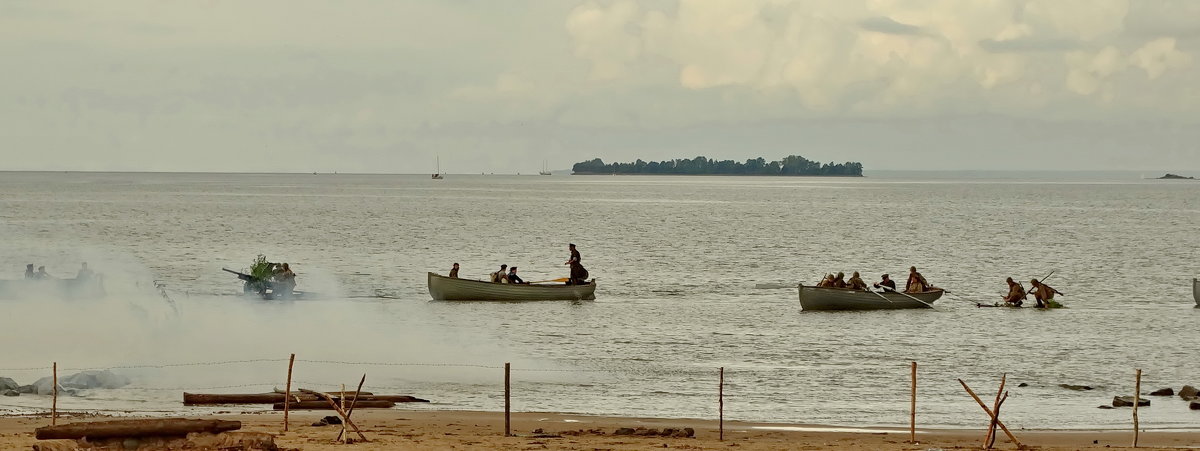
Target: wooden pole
column 287, row 396
column 991, row 433
column 353, row 402
column 993, row 415
column 54, row 402
column 1137, row 398
column 507, row 400
column 721, row 404
column 342, row 403
column 912, row 408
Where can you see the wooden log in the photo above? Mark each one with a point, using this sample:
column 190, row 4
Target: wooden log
column 169, row 427
column 191, row 399
column 322, row 405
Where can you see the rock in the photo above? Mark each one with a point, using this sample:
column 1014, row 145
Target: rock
column 10, row 393
column 45, row 386
column 328, row 420
column 1127, row 401
column 624, row 431
column 1105, row 406
column 94, row 379
column 1022, row 385
column 1194, row 405
column 686, row 432
column 1163, row 392
column 646, row 432
column 1075, row 387
column 1188, row 392
column 27, row 389
column 8, row 384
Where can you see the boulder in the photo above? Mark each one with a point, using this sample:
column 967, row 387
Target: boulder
column 1188, row 392
column 44, row 386
column 1194, row 405
column 1105, row 406
column 1163, row 392
column 1022, row 385
column 10, row 393
column 624, row 431
column 1075, row 387
column 8, row 384
column 86, row 380
column 1127, row 401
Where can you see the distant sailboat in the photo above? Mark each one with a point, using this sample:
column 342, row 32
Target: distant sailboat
column 438, row 175
column 544, row 171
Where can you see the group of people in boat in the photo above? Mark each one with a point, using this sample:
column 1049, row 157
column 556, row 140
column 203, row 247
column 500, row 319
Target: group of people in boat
column 41, row 274
column 916, row 282
column 507, row 274
column 1042, row 293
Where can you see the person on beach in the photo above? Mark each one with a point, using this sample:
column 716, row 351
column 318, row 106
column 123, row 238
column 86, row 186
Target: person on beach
column 454, row 271
column 29, row 273
column 499, row 276
column 856, row 282
column 579, row 274
column 513, row 277
column 1016, row 293
column 885, row 283
column 916, row 282
column 1043, row 294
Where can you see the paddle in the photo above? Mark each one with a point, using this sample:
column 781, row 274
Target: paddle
column 907, row 296
column 880, row 295
column 560, row 279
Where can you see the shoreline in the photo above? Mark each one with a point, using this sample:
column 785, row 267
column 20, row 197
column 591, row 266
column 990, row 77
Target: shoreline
column 395, row 429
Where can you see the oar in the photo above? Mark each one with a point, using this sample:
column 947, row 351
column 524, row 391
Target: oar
column 882, row 296
column 910, row 297
column 560, row 279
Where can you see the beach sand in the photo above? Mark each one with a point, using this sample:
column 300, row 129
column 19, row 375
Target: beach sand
column 428, row 430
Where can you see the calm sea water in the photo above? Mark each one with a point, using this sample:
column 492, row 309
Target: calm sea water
column 677, row 260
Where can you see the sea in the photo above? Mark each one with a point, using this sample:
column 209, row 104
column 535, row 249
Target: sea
column 678, row 327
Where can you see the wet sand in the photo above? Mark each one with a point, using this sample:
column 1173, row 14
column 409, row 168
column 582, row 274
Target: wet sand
column 427, row 430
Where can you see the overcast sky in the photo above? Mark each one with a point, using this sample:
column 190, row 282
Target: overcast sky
column 500, row 86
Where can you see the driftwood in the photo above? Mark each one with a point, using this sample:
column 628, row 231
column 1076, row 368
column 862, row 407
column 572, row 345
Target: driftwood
column 135, row 428
column 992, row 415
column 190, row 399
column 345, row 418
column 323, row 405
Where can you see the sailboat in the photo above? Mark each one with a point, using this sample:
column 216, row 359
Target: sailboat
column 543, row 171
column 438, row 175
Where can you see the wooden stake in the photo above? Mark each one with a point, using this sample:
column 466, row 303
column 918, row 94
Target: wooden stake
column 353, row 401
column 507, row 400
column 991, row 433
column 912, row 408
column 1137, row 398
column 721, row 404
column 287, row 396
column 54, row 403
column 342, row 402
column 345, row 417
column 993, row 415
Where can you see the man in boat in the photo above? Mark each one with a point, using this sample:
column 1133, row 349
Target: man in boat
column 454, row 271
column 1043, row 293
column 513, row 277
column 41, row 274
column 885, row 283
column 916, row 282
column 579, row 274
column 856, row 282
column 84, row 273
column 285, row 281
column 29, row 273
column 839, row 281
column 1016, row 293
column 826, row 281
column 499, row 276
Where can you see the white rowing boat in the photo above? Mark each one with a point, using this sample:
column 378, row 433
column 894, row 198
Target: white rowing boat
column 443, row 288
column 826, row 298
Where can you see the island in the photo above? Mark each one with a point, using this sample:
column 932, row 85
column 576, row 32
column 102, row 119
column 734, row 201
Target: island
column 792, row 165
column 1171, row 176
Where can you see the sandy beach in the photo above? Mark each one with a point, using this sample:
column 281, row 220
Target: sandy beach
column 428, row 430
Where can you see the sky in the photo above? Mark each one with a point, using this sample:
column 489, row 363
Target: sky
column 505, row 86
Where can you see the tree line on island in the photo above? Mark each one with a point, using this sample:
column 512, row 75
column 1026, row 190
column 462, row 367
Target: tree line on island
column 790, row 165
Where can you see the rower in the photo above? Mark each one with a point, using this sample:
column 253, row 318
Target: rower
column 840, row 280
column 886, row 283
column 1043, row 293
column 1016, row 293
column 856, row 282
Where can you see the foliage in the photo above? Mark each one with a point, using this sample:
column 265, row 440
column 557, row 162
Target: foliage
column 790, row 165
column 262, row 269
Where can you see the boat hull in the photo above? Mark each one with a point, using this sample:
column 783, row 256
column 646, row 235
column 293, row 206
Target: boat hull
column 443, row 288
column 821, row 298
column 88, row 288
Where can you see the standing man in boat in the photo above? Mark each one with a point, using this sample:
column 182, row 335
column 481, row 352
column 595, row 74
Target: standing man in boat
column 29, row 274
column 1016, row 293
column 285, row 281
column 454, row 271
column 579, row 274
column 1043, row 293
column 916, row 282
column 885, row 283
